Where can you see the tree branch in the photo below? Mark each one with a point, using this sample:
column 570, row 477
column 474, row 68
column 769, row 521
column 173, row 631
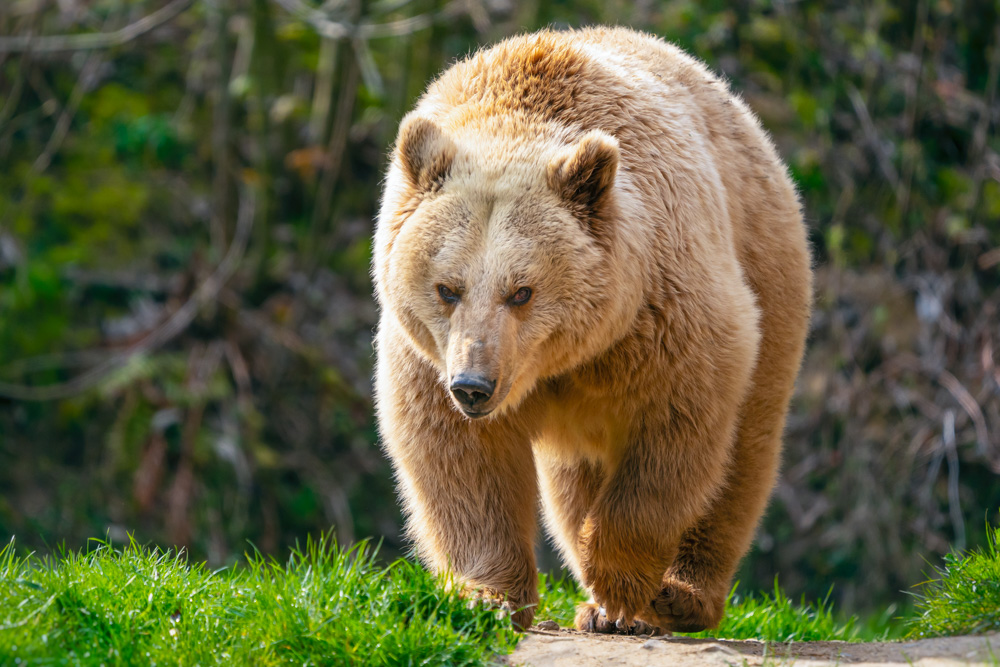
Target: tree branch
column 364, row 30
column 95, row 40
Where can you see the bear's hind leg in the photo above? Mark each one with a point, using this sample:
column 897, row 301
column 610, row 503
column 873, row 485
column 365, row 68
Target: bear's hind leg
column 695, row 586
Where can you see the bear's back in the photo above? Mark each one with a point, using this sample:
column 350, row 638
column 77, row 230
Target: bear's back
column 593, row 78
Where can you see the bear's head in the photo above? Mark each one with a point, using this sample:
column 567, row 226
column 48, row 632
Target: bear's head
column 496, row 254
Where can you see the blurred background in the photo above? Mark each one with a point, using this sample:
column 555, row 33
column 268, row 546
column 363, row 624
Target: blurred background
column 187, row 193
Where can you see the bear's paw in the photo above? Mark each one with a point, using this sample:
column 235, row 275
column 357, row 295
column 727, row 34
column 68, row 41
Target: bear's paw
column 681, row 607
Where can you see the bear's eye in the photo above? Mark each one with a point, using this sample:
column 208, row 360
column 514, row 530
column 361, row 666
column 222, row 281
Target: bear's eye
column 447, row 295
column 521, row 296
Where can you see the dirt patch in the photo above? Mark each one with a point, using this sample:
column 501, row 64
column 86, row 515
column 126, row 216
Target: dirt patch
column 568, row 648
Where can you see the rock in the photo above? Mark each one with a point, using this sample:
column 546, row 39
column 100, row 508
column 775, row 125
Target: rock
column 719, row 648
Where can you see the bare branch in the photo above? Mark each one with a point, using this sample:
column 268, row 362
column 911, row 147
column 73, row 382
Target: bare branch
column 96, row 40
column 365, row 62
column 55, row 141
column 335, row 150
column 339, row 30
column 395, row 28
column 971, row 407
column 954, row 502
column 316, row 18
column 872, row 136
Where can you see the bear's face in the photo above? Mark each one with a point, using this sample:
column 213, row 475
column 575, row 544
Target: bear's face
column 492, row 271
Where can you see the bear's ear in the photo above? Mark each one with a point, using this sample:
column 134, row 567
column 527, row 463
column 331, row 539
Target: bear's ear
column 425, row 153
column 583, row 174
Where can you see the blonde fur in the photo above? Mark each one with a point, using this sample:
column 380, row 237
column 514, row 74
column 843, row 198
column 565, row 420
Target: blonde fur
column 642, row 390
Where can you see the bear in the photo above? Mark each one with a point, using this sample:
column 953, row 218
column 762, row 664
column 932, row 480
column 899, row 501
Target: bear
column 594, row 286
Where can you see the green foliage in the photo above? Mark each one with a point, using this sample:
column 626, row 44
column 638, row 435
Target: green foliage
column 325, row 606
column 965, row 599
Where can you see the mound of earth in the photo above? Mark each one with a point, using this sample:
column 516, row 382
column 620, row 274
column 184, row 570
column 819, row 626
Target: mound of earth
column 568, row 648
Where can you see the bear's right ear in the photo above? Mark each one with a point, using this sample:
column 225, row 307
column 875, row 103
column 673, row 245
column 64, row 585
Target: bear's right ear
column 583, row 174
column 425, row 153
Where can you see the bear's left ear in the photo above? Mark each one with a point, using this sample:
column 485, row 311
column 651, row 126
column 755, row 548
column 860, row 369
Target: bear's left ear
column 583, row 174
column 425, row 152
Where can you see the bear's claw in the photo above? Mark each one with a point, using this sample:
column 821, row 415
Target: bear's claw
column 591, row 617
column 520, row 615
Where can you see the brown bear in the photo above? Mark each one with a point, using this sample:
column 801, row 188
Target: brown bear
column 595, row 288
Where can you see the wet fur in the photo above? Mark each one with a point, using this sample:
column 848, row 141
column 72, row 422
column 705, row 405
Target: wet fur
column 645, row 386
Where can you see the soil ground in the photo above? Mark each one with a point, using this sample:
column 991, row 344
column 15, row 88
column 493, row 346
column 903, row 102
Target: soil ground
column 568, row 648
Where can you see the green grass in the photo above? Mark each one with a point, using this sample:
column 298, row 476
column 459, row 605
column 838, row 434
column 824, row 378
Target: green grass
column 557, row 599
column 325, row 606
column 774, row 617
column 966, row 598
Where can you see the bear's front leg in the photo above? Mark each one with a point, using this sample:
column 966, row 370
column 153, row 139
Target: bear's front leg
column 468, row 486
column 664, row 480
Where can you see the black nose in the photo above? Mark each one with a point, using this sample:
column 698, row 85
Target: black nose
column 472, row 391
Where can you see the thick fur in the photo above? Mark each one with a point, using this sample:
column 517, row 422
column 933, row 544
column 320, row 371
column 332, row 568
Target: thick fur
column 642, row 389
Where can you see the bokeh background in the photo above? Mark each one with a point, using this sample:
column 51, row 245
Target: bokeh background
column 187, row 190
